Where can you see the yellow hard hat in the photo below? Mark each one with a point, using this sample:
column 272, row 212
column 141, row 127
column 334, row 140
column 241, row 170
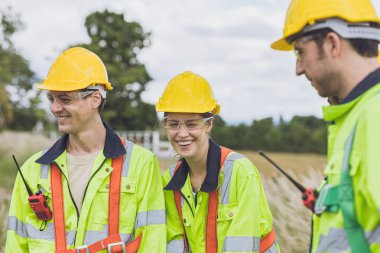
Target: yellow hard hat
column 75, row 69
column 378, row 58
column 189, row 93
column 306, row 12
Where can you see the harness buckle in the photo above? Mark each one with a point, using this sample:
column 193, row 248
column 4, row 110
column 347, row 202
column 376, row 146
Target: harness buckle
column 78, row 250
column 320, row 205
column 111, row 245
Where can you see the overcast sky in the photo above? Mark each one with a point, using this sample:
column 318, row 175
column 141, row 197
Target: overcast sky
column 227, row 42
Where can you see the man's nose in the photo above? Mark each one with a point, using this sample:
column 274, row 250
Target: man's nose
column 300, row 70
column 55, row 106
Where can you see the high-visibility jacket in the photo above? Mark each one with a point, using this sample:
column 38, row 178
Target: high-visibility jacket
column 243, row 216
column 358, row 119
column 142, row 208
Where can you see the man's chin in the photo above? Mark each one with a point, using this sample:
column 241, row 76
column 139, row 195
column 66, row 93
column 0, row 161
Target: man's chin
column 63, row 129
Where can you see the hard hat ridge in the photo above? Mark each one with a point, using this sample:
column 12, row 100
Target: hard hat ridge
column 188, row 93
column 303, row 14
column 75, row 69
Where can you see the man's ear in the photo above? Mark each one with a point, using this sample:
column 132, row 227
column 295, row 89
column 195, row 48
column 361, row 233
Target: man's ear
column 96, row 99
column 209, row 126
column 333, row 44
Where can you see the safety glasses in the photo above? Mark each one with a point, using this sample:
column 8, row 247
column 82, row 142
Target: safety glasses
column 298, row 51
column 68, row 98
column 189, row 124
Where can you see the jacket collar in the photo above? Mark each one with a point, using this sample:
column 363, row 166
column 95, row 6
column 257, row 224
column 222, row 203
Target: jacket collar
column 368, row 82
column 112, row 147
column 212, row 175
column 366, row 88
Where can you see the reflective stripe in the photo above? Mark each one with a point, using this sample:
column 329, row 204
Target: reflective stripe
column 29, row 231
column 172, row 169
column 272, row 249
column 95, row 236
column 241, row 243
column 227, row 173
column 45, row 171
column 336, row 240
column 153, row 217
column 176, row 246
column 127, row 158
column 44, row 167
column 374, row 236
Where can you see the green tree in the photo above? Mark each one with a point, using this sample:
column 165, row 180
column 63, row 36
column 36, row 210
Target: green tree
column 118, row 42
column 19, row 103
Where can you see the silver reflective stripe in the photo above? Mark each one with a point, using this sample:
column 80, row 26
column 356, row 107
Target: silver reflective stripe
column 347, row 151
column 45, row 171
column 241, row 243
column 172, row 169
column 127, row 158
column 227, row 173
column 374, row 236
column 272, row 249
column 154, row 217
column 176, row 246
column 336, row 240
column 44, row 167
column 29, row 231
column 95, row 236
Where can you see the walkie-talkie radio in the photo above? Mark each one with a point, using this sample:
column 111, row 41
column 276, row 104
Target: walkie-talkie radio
column 36, row 201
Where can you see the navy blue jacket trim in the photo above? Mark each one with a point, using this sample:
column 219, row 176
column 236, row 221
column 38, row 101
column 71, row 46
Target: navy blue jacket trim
column 211, row 181
column 368, row 82
column 113, row 147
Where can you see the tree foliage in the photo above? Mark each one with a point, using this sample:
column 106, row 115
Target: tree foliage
column 302, row 134
column 18, row 101
column 118, row 42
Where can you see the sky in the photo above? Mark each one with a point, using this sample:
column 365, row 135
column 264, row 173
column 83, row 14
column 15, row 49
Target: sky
column 227, row 42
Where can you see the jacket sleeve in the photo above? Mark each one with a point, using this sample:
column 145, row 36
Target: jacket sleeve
column 252, row 219
column 151, row 220
column 19, row 209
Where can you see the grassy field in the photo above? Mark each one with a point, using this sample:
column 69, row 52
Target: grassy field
column 291, row 218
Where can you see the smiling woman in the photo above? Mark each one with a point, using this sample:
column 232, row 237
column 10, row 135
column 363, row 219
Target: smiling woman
column 218, row 187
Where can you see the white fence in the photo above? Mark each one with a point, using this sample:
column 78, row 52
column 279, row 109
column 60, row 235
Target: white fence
column 148, row 139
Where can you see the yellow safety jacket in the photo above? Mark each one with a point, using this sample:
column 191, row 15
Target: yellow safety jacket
column 243, row 215
column 353, row 147
column 142, row 208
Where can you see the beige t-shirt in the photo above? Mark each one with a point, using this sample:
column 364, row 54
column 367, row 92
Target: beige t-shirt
column 79, row 171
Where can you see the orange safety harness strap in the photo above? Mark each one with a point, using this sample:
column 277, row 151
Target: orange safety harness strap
column 267, row 241
column 213, row 202
column 58, row 208
column 113, row 214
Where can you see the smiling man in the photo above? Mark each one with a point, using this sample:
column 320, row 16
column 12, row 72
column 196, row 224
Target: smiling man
column 336, row 45
column 105, row 193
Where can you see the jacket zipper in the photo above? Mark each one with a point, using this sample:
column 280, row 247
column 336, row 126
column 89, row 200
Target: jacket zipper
column 71, row 196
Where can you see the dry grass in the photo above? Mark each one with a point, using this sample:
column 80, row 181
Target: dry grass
column 291, row 218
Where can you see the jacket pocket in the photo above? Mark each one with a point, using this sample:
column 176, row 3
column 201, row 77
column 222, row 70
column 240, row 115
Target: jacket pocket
column 226, row 214
column 40, row 246
column 127, row 208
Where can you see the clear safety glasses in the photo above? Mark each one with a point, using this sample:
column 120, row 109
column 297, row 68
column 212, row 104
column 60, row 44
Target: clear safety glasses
column 189, row 124
column 68, row 98
column 298, row 51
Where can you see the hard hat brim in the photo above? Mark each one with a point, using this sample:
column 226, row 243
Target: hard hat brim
column 282, row 45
